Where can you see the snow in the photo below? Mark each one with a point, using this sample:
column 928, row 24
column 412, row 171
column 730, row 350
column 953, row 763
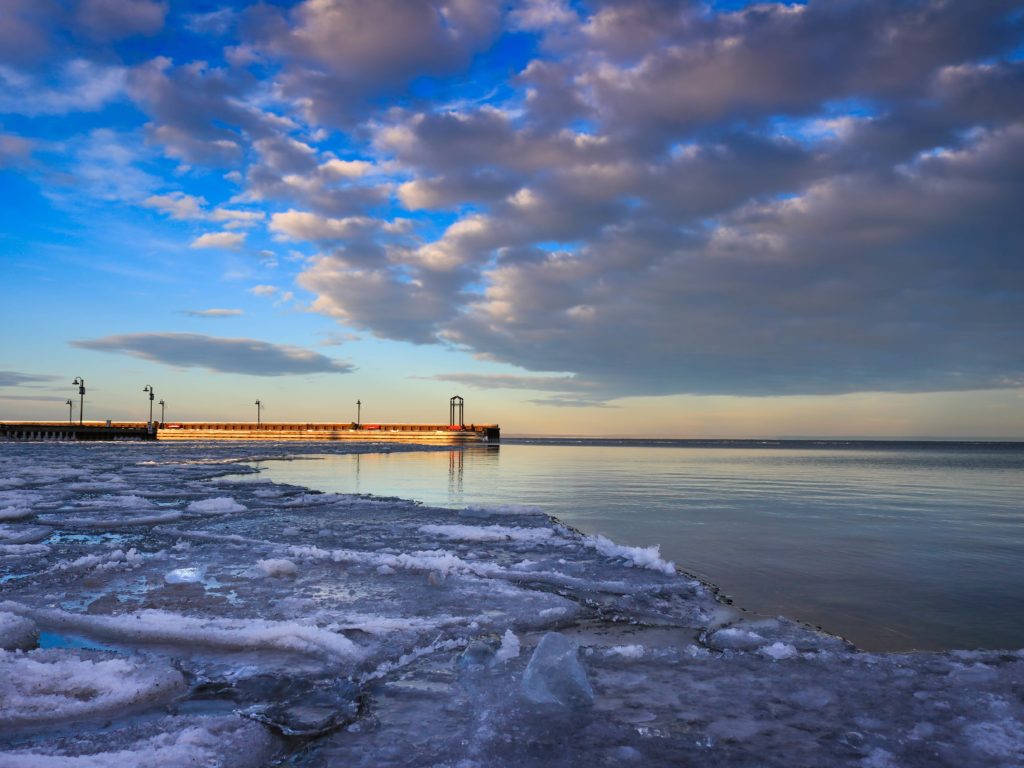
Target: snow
column 627, row 651
column 156, row 626
column 54, row 685
column 779, row 651
column 640, row 557
column 489, row 533
column 217, row 506
column 17, row 632
column 180, row 743
column 277, row 567
column 510, row 647
column 173, row 608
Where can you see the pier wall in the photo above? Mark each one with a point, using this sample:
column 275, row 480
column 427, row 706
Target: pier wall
column 412, row 433
column 56, row 430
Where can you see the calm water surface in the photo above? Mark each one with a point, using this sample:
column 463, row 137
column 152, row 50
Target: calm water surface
column 894, row 546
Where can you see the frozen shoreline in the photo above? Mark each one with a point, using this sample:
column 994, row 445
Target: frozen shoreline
column 196, row 612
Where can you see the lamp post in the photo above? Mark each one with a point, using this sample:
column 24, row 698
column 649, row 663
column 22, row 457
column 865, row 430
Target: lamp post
column 149, row 388
column 80, row 383
column 359, row 412
column 71, row 409
column 259, row 407
column 162, row 404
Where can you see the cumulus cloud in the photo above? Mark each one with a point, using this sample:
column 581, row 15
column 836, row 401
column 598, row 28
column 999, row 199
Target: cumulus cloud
column 731, row 198
column 303, row 225
column 732, row 218
column 113, row 19
column 183, row 207
column 221, row 355
column 177, row 205
column 232, row 240
column 343, row 52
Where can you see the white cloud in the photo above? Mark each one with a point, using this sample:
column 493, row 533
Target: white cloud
column 346, row 169
column 303, row 225
column 232, row 240
column 177, row 205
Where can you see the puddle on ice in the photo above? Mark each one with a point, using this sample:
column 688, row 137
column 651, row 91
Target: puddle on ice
column 57, row 640
column 250, row 624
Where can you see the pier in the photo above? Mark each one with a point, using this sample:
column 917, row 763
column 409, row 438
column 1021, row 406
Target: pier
column 62, row 430
column 220, row 430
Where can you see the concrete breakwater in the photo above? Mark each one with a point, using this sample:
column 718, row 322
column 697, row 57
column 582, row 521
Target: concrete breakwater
column 414, row 433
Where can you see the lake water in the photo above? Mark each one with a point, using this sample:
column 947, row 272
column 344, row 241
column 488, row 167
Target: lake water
column 894, row 546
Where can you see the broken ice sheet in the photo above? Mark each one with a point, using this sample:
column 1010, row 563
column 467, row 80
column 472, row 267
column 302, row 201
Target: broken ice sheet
column 197, row 615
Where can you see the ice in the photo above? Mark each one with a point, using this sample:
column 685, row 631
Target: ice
column 218, row 506
column 779, row 651
column 45, row 686
column 627, row 651
column 490, row 533
column 555, row 676
column 17, row 632
column 23, row 534
column 641, row 557
column 189, row 612
column 155, row 626
column 277, row 566
column 226, row 742
column 510, row 647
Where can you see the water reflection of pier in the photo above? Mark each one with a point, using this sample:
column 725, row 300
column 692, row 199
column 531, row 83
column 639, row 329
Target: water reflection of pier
column 456, row 468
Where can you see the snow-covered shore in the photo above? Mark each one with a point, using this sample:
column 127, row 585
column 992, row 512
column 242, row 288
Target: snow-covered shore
column 158, row 609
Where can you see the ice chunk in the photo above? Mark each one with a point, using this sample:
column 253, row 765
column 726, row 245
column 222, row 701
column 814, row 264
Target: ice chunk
column 555, row 675
column 278, row 567
column 639, row 557
column 168, row 743
column 57, row 685
column 510, row 646
column 312, row 712
column 490, row 533
column 189, row 575
column 153, row 626
column 14, row 512
column 477, row 655
column 218, row 506
column 17, row 632
column 626, row 651
column 779, row 651
column 1001, row 739
column 735, row 639
column 23, row 534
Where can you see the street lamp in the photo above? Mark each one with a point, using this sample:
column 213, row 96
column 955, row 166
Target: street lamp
column 71, row 409
column 162, row 404
column 80, row 383
column 259, row 407
column 149, row 388
column 359, row 412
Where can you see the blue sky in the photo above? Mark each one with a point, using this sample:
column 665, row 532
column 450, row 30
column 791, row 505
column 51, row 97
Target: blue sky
column 681, row 219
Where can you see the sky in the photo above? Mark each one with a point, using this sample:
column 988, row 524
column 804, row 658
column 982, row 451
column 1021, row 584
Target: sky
column 632, row 218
